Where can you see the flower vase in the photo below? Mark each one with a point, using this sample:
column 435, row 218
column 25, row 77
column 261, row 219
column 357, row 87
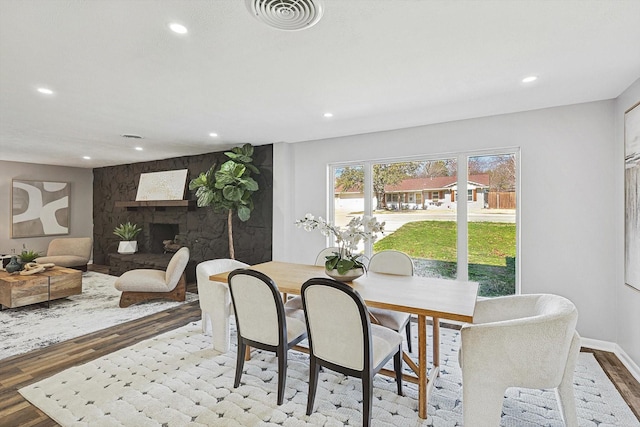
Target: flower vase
column 350, row 275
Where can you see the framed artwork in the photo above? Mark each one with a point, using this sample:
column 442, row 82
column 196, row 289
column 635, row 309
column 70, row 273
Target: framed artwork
column 169, row 185
column 632, row 196
column 39, row 208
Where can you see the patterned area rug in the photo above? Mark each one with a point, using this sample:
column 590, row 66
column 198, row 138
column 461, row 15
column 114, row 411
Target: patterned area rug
column 177, row 379
column 35, row 326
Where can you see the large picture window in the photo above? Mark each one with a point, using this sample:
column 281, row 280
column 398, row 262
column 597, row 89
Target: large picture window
column 447, row 236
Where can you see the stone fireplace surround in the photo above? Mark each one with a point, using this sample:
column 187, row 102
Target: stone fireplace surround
column 200, row 229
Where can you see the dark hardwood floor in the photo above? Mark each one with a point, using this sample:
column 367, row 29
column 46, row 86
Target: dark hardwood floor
column 21, row 370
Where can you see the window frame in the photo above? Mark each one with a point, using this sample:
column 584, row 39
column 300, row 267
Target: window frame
column 462, row 217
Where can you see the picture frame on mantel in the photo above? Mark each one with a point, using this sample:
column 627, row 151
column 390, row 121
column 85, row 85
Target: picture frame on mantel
column 39, row 208
column 167, row 185
column 632, row 196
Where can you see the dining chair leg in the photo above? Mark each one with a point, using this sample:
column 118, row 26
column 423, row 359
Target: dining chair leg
column 239, row 362
column 408, row 329
column 282, row 373
column 397, row 365
column 314, row 370
column 367, row 397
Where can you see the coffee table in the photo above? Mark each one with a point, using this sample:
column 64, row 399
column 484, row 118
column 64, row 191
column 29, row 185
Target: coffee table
column 53, row 283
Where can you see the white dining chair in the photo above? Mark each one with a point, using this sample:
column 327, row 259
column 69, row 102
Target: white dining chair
column 295, row 302
column 215, row 300
column 342, row 338
column 262, row 321
column 525, row 341
column 400, row 264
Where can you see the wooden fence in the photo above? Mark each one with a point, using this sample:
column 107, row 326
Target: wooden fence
column 502, row 200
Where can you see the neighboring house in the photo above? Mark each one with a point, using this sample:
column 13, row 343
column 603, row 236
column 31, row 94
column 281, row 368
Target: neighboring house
column 421, row 193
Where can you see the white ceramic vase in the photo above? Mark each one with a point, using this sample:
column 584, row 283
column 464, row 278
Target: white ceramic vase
column 128, row 247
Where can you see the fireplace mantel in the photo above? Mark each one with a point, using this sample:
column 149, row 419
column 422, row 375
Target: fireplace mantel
column 156, row 204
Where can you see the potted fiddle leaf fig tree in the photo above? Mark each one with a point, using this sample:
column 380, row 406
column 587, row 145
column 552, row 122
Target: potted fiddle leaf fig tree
column 229, row 188
column 127, row 232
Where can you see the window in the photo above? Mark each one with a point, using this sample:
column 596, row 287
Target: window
column 475, row 240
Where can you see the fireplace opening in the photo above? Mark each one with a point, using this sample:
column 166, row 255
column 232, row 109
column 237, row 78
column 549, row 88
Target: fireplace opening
column 160, row 232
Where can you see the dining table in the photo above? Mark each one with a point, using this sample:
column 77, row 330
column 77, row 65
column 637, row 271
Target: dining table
column 422, row 297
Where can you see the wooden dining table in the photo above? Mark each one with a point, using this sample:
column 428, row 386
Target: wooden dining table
column 420, row 296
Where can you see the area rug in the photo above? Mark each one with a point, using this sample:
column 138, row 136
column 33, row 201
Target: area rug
column 177, row 379
column 35, row 326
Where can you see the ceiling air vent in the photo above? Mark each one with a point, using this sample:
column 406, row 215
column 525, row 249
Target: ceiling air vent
column 287, row 15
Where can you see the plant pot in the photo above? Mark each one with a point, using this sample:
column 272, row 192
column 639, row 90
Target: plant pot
column 129, row 247
column 346, row 277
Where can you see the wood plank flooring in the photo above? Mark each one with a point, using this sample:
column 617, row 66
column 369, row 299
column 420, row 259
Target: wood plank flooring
column 19, row 371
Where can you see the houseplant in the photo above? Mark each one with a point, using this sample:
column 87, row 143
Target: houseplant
column 28, row 256
column 127, row 232
column 345, row 264
column 229, row 188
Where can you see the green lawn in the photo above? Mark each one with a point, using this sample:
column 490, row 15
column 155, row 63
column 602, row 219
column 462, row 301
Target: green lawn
column 433, row 245
column 489, row 242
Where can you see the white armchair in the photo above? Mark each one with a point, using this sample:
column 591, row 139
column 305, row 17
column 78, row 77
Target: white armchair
column 215, row 300
column 525, row 341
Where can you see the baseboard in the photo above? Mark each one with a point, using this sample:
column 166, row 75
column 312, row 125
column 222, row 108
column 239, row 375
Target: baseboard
column 633, row 368
column 614, row 348
column 598, row 344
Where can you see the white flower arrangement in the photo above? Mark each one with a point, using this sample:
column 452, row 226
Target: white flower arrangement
column 359, row 229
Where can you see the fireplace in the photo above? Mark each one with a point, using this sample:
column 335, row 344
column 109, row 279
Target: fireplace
column 159, row 232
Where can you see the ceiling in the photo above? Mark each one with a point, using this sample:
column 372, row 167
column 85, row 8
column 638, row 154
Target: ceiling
column 116, row 68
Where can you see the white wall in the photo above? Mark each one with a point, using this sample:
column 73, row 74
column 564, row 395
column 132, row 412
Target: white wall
column 81, row 199
column 570, row 244
column 628, row 299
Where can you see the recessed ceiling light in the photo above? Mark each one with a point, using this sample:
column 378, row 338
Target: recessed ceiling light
column 45, row 91
column 327, row 115
column 529, row 79
column 178, row 28
column 138, row 148
column 86, row 157
column 213, row 134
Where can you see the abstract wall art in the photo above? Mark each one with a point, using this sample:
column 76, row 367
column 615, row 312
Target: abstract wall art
column 632, row 196
column 39, row 208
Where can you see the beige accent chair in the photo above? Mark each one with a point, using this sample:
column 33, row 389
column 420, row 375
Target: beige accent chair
column 342, row 338
column 215, row 300
column 72, row 252
column 518, row 341
column 147, row 284
column 262, row 321
column 400, row 264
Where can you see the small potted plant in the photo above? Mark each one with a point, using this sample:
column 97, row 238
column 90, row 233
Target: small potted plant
column 28, row 256
column 127, row 232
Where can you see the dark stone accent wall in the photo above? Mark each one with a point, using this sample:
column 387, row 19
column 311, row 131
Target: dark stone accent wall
column 202, row 230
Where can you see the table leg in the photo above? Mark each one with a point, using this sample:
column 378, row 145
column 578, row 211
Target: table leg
column 247, row 353
column 436, row 341
column 422, row 367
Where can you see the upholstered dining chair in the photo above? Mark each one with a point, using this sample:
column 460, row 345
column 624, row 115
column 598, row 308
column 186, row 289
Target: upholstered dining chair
column 321, row 258
column 342, row 338
column 147, row 284
column 400, row 264
column 262, row 321
column 527, row 341
column 215, row 300
column 295, row 302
